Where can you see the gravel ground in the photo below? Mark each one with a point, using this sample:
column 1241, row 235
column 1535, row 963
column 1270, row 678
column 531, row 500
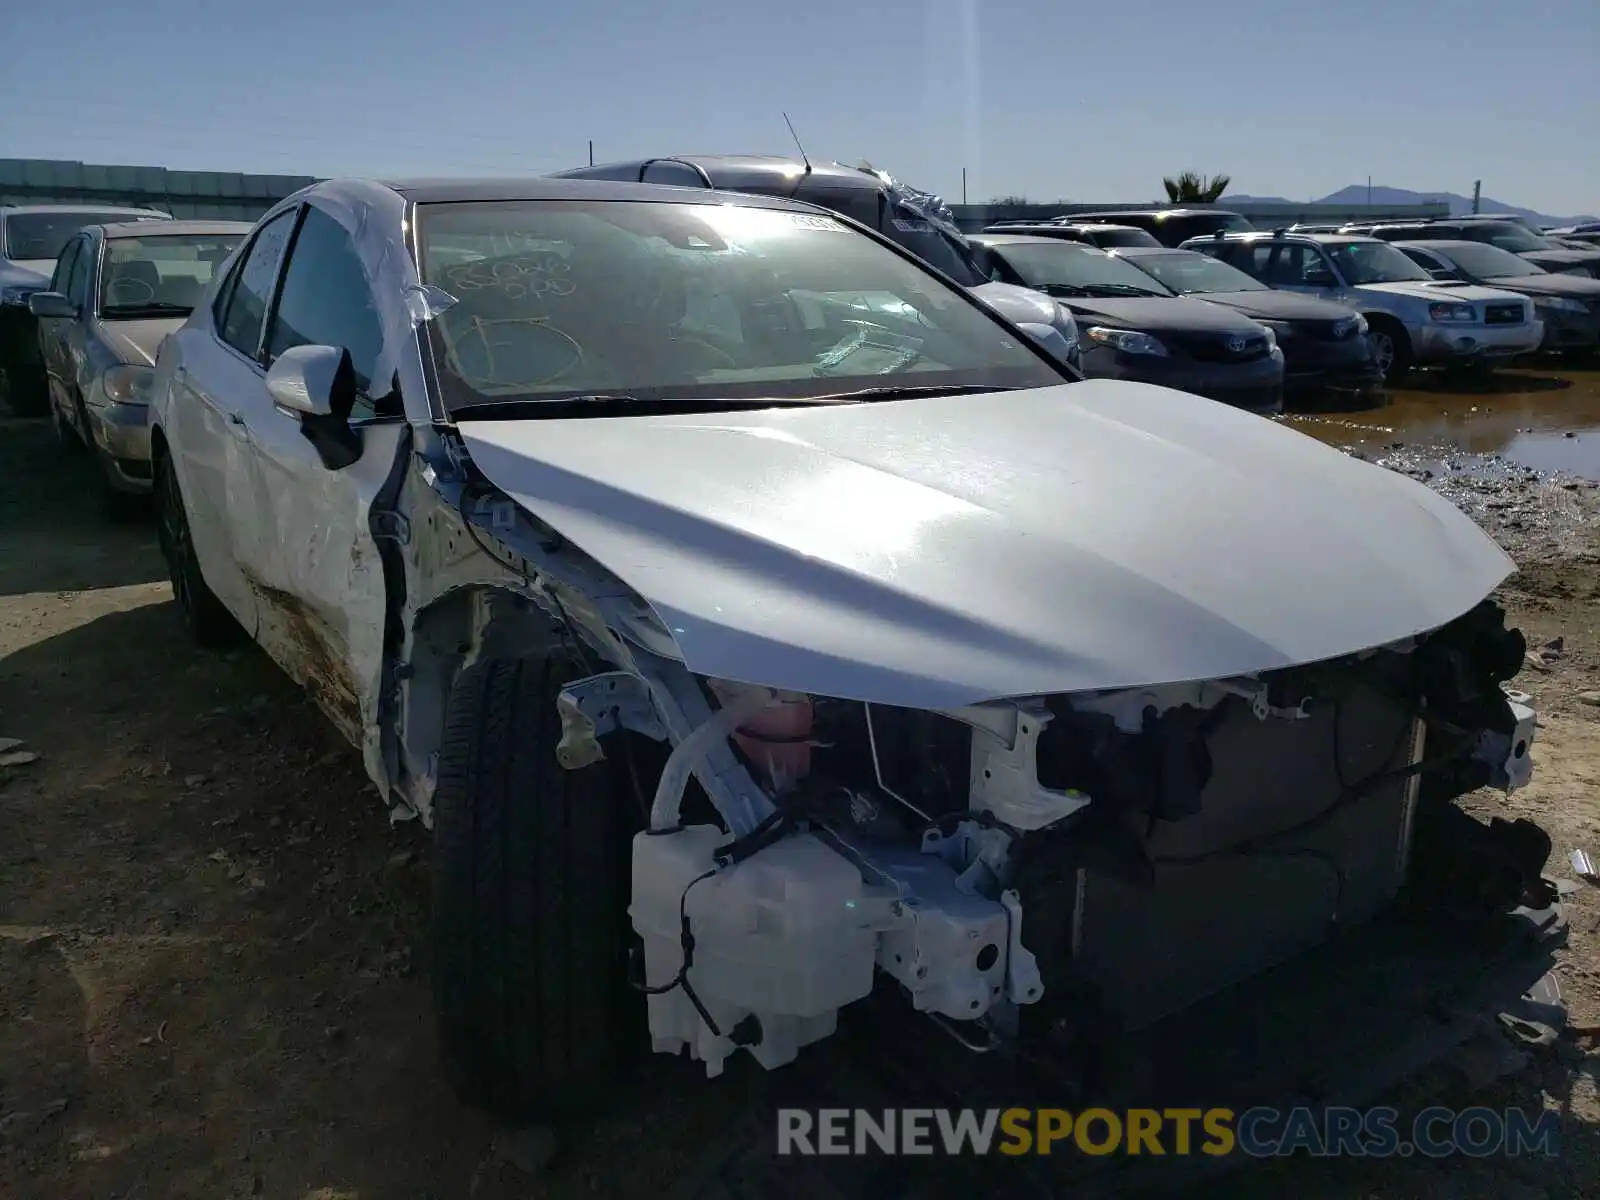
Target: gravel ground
column 213, row 947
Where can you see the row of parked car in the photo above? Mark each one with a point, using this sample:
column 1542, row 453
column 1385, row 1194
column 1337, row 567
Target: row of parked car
column 1001, row 689
column 1195, row 299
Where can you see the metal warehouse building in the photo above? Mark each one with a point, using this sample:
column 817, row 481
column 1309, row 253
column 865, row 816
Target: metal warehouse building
column 220, row 194
column 234, row 196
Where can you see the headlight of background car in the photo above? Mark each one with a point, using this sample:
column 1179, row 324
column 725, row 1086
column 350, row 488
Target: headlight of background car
column 128, row 384
column 1452, row 312
column 1559, row 304
column 1126, row 340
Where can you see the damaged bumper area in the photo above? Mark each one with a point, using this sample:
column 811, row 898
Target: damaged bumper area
column 1053, row 876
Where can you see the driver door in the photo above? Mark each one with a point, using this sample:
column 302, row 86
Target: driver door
column 313, row 559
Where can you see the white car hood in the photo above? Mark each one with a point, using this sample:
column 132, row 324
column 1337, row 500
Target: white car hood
column 1439, row 290
column 941, row 551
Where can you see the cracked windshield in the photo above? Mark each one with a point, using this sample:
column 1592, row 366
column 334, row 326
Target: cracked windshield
column 650, row 608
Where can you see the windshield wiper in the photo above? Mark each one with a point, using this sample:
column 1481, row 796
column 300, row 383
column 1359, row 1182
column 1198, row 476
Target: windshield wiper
column 150, row 306
column 906, row 393
column 599, row 404
column 1119, row 289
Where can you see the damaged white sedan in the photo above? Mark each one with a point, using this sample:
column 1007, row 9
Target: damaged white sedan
column 761, row 623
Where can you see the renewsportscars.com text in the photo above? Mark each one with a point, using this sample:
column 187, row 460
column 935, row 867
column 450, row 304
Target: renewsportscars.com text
column 1212, row 1132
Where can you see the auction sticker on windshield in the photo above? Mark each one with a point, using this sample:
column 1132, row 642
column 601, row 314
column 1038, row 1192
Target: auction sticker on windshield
column 811, row 221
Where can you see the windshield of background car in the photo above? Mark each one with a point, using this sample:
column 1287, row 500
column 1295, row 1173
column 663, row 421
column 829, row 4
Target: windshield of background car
column 1187, row 273
column 933, row 245
column 1068, row 269
column 1373, row 262
column 1123, row 237
column 693, row 301
column 162, row 273
column 1505, row 235
column 1491, row 262
column 1179, row 229
column 45, row 235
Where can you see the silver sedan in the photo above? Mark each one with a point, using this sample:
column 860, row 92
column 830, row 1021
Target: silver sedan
column 117, row 291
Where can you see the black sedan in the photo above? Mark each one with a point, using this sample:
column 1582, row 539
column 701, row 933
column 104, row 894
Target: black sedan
column 1135, row 328
column 1569, row 305
column 1324, row 344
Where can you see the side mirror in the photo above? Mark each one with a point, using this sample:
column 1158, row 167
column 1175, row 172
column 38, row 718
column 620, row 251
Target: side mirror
column 317, row 385
column 304, row 380
column 1441, row 273
column 52, row 304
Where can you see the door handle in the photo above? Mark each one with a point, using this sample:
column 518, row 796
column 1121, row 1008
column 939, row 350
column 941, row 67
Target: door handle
column 237, row 427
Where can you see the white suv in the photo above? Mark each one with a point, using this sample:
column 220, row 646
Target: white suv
column 1414, row 319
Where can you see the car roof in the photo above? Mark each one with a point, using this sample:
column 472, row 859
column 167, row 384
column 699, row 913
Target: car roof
column 128, row 229
column 31, row 209
column 1156, row 210
column 1441, row 245
column 1022, row 239
column 738, row 171
column 1086, row 226
column 1148, row 251
column 1285, row 235
column 547, row 187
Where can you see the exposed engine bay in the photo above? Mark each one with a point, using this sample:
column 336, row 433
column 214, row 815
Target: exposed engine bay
column 1034, row 870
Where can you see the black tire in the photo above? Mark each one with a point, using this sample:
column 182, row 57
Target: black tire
column 1391, row 347
column 205, row 617
column 531, row 883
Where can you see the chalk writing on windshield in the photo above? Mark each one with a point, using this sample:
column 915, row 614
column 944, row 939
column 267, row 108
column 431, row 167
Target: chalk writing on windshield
column 530, row 275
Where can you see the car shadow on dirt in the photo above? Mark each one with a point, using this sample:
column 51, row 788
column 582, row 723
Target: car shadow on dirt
column 58, row 536
column 1498, row 383
column 231, row 995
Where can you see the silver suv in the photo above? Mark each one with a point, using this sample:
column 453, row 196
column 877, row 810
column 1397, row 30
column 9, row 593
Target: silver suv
column 1414, row 319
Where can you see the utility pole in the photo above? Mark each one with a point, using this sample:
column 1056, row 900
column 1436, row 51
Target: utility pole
column 1369, row 191
column 1477, row 192
column 591, row 152
column 963, row 185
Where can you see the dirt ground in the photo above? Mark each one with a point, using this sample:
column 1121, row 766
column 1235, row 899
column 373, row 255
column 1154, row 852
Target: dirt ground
column 213, row 946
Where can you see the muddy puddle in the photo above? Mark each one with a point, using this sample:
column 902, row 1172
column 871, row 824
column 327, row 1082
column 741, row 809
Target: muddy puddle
column 1519, row 450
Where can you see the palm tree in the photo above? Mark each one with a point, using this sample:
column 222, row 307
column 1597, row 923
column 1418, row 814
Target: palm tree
column 1191, row 187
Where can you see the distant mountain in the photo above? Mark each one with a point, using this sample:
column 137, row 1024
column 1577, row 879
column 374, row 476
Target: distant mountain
column 1359, row 193
column 1232, row 199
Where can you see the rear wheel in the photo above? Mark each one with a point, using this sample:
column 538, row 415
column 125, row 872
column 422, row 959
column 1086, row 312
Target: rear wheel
column 531, row 885
column 1391, row 347
column 207, row 619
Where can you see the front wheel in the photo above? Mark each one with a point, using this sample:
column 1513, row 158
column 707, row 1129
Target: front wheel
column 531, row 885
column 205, row 617
column 1391, row 348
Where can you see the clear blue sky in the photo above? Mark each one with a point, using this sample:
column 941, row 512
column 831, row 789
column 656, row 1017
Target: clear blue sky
column 1040, row 97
